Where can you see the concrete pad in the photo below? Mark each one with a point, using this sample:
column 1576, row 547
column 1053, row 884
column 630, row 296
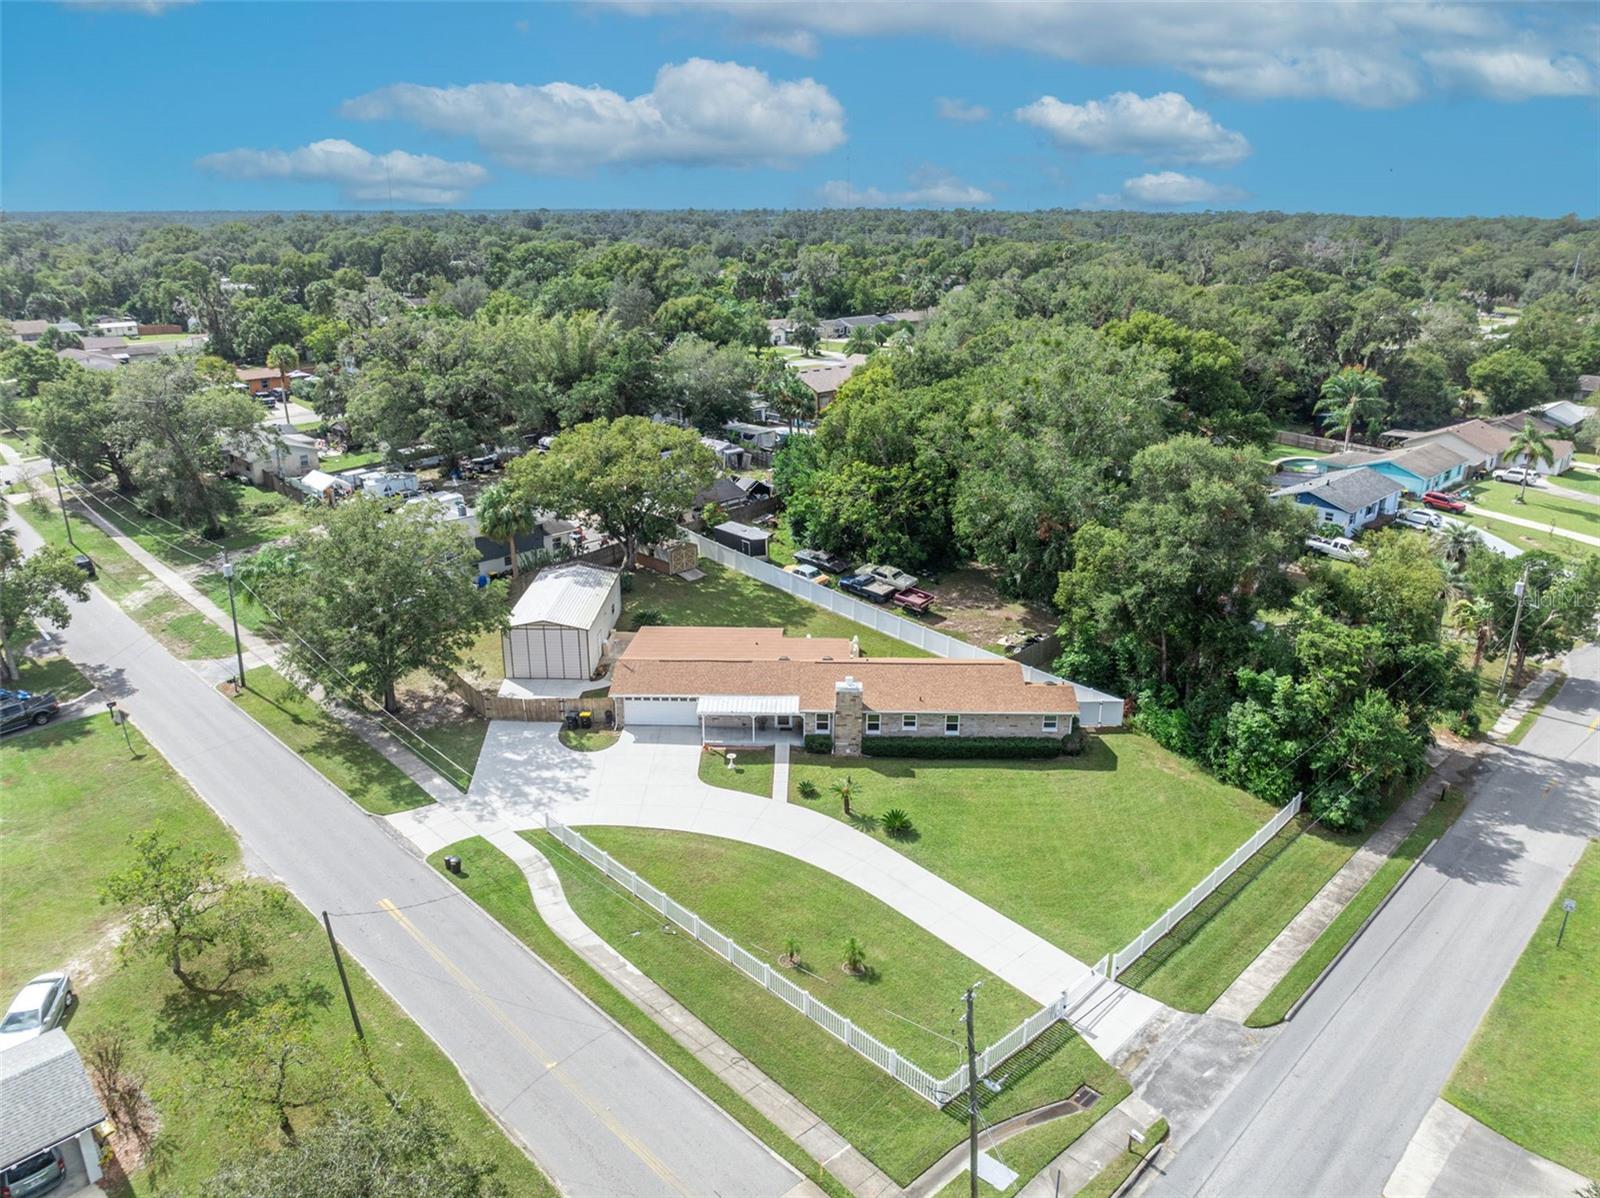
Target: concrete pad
column 1452, row 1155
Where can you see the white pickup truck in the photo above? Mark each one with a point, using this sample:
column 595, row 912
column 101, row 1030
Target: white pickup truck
column 1339, row 548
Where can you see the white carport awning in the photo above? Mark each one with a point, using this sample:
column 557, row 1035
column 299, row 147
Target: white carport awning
column 710, row 705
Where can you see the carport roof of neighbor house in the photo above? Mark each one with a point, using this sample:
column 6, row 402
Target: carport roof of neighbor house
column 712, row 705
column 571, row 594
column 45, row 1097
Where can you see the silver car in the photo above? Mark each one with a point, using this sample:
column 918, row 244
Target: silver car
column 42, row 1005
column 38, row 1174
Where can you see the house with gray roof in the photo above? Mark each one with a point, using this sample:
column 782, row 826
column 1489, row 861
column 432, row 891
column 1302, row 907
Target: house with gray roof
column 1417, row 468
column 48, row 1104
column 1350, row 499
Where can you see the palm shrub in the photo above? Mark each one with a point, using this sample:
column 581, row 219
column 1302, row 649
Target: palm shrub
column 791, row 951
column 808, row 789
column 896, row 822
column 855, row 956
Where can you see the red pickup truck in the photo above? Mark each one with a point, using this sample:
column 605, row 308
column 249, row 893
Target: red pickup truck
column 913, row 599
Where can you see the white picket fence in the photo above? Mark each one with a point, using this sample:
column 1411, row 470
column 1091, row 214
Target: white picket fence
column 1096, row 709
column 936, row 1090
column 1141, row 943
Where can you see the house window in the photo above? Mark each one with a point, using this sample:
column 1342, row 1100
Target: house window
column 1049, row 723
column 952, row 725
column 874, row 723
column 824, row 722
column 908, row 723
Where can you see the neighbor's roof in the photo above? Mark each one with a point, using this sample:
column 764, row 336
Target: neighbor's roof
column 749, row 531
column 1348, row 490
column 662, row 642
column 45, row 1096
column 246, row 374
column 824, row 380
column 915, row 684
column 1476, row 433
column 723, row 491
column 1567, row 414
column 571, row 594
column 29, row 328
column 1589, row 382
column 1423, row 460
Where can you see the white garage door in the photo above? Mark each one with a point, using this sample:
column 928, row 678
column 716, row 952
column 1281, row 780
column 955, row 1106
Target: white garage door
column 659, row 711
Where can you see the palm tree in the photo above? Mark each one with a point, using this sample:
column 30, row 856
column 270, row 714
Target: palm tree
column 1474, row 618
column 1455, row 541
column 846, row 791
column 1353, row 394
column 283, row 359
column 855, row 956
column 504, row 514
column 1530, row 448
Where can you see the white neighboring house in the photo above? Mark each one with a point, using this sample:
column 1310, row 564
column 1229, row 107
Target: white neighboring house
column 451, row 508
column 560, row 625
column 274, row 452
column 116, row 326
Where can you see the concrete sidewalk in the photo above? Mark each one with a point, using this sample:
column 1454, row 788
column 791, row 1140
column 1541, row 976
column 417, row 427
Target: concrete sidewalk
column 1452, row 1155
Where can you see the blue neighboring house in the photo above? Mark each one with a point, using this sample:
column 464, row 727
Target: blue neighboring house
column 1417, row 469
column 1350, row 499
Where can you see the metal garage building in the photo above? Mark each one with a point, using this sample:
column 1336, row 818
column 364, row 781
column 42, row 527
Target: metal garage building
column 561, row 623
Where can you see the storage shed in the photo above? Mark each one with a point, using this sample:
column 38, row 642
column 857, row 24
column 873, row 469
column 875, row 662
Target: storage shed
column 561, row 623
column 746, row 538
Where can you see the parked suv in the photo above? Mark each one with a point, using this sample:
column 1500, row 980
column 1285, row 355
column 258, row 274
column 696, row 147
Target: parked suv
column 36, row 1175
column 20, row 711
column 1418, row 518
column 829, row 563
column 1443, row 501
column 1517, row 475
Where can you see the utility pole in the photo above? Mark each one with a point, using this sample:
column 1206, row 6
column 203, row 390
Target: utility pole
column 238, row 649
column 61, row 502
column 1521, row 590
column 343, row 980
column 972, row 1097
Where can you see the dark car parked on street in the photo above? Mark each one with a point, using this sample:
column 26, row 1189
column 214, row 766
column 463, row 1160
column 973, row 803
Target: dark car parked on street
column 20, row 712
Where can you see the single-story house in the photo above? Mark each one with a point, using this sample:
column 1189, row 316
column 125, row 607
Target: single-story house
column 258, row 380
column 1482, row 443
column 550, row 534
column 757, row 436
column 1560, row 450
column 1565, row 414
column 29, row 331
column 729, row 456
column 726, row 493
column 825, row 381
column 1588, row 387
column 748, row 680
column 94, row 360
column 1418, row 468
column 47, row 1103
column 560, row 624
column 115, row 326
column 280, row 452
column 1350, row 499
column 755, row 489
column 746, row 538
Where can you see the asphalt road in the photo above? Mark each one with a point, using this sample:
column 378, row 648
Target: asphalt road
column 1329, row 1107
column 598, row 1112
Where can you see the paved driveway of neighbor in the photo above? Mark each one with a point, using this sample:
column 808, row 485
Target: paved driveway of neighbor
column 650, row 779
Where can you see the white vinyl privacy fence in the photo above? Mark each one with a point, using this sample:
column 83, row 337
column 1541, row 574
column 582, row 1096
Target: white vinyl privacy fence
column 1095, row 708
column 1141, row 943
column 936, row 1090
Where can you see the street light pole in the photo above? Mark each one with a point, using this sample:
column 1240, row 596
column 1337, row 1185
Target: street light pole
column 61, row 502
column 972, row 1099
column 238, row 648
column 1521, row 590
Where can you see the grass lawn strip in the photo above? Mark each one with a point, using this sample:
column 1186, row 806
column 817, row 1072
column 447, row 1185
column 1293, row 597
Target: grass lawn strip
column 71, row 796
column 1525, row 724
column 1579, row 480
column 495, row 883
column 750, row 894
column 1337, row 934
column 1192, row 965
column 1117, row 1172
column 751, row 773
column 1539, row 505
column 1085, row 851
column 178, row 627
column 726, row 598
column 332, row 749
column 588, row 740
column 55, row 675
column 1029, row 1152
column 1524, row 1073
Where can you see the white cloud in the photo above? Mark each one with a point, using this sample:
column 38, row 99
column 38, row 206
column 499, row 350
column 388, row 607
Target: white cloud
column 1168, row 189
column 1511, row 74
column 960, row 111
column 359, row 175
column 1373, row 53
column 802, row 43
column 699, row 113
column 930, row 187
column 1164, row 127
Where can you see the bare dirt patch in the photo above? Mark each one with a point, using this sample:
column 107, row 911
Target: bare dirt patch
column 969, row 606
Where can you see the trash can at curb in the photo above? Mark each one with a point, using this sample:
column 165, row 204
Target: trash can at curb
column 453, row 865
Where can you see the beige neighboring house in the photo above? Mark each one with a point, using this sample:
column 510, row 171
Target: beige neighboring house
column 1484, row 442
column 750, row 681
column 824, row 381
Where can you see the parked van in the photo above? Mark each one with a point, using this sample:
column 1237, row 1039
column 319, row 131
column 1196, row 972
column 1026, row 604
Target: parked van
column 388, row 483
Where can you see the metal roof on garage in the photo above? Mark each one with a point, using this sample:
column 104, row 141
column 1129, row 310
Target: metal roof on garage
column 748, row 705
column 572, row 594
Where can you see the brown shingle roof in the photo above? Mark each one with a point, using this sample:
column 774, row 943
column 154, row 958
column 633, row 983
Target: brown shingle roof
column 675, row 643
column 889, row 684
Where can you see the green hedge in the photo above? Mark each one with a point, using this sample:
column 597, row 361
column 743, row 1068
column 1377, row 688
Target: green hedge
column 961, row 746
column 817, row 743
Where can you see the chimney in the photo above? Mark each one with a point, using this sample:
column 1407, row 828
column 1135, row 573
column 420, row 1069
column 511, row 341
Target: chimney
column 849, row 716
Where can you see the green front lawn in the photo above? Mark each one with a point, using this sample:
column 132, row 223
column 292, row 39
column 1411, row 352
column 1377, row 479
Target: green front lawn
column 349, row 461
column 1539, row 505
column 332, row 749
column 1434, row 824
column 726, row 598
column 910, row 998
column 179, row 627
column 1586, row 481
column 751, row 772
column 56, row 675
column 588, row 740
column 1028, row 1152
column 1529, row 1072
column 71, row 796
column 494, row 881
column 262, row 516
column 1086, row 851
column 1110, row 1178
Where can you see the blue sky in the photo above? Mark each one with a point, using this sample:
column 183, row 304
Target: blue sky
column 1402, row 109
